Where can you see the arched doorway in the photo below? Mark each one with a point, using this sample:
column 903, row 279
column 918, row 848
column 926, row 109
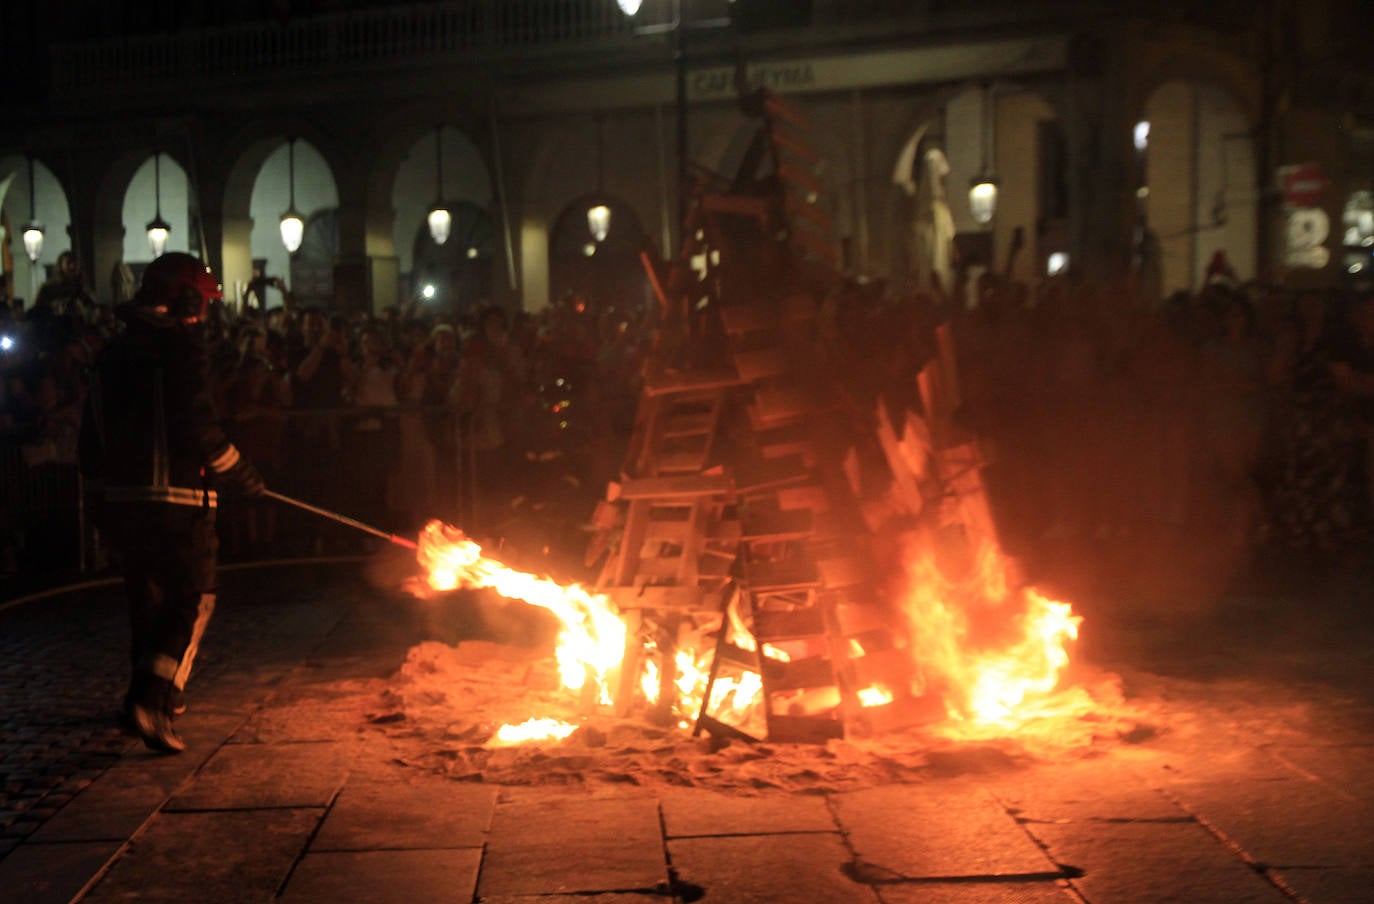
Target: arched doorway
column 1195, row 155
column 444, row 167
column 608, row 273
column 296, row 169
column 159, row 187
column 1005, row 131
column 454, row 278
column 22, row 279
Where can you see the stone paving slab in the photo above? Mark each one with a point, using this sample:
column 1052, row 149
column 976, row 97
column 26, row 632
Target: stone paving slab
column 242, row 776
column 688, row 812
column 425, row 812
column 541, row 844
column 381, row 877
column 1292, row 822
column 577, row 899
column 44, row 873
column 767, row 869
column 209, row 858
column 1330, row 886
column 1101, row 789
column 1149, row 862
column 299, row 720
column 936, row 831
column 1347, row 767
column 114, row 806
column 1055, row 892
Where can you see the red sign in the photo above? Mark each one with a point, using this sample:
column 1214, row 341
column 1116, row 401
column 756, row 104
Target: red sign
column 1302, row 184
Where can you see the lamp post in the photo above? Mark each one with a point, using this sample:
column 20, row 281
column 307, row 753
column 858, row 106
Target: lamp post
column 292, row 226
column 678, row 28
column 158, row 228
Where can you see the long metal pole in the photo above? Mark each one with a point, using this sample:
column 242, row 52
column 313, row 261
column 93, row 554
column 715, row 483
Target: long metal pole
column 342, row 519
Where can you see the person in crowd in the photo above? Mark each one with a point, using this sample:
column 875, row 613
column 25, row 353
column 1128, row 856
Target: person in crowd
column 320, row 370
column 441, row 368
column 1233, row 420
column 371, row 437
column 66, row 295
column 152, row 443
column 258, row 397
column 486, row 393
column 1352, row 369
column 1309, row 504
column 413, row 486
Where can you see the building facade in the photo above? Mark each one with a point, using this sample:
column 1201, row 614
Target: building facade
column 1123, row 137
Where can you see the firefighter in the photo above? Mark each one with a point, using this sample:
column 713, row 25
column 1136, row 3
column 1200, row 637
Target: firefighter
column 152, row 451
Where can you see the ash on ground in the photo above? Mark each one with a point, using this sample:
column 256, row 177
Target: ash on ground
column 441, row 712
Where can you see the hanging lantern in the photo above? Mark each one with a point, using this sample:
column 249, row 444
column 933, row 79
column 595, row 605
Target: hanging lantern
column 628, row 7
column 158, row 228
column 982, row 192
column 599, row 221
column 33, row 230
column 440, row 225
column 292, row 229
column 292, row 226
column 982, row 199
column 440, row 220
column 33, row 241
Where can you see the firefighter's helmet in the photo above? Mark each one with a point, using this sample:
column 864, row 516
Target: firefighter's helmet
column 179, row 285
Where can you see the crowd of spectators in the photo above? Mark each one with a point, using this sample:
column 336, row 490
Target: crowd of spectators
column 1241, row 414
column 1238, row 417
column 392, row 419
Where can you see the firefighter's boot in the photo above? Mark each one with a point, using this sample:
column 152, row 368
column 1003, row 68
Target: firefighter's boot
column 148, row 713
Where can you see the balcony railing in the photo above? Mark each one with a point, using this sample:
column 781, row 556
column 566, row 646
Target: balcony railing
column 388, row 34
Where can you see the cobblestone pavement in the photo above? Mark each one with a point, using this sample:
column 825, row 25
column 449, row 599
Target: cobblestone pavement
column 286, row 793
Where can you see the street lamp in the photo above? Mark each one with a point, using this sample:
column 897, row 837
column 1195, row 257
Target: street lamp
column 440, row 221
column 982, row 192
column 33, row 230
column 158, row 228
column 678, row 28
column 292, row 226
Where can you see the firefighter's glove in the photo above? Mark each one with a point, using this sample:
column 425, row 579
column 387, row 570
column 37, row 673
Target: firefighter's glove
column 246, row 479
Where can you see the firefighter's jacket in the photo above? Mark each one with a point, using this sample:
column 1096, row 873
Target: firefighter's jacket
column 150, row 434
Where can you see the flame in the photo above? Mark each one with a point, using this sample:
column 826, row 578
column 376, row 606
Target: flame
column 993, row 651
column 592, row 640
column 874, row 695
column 533, row 730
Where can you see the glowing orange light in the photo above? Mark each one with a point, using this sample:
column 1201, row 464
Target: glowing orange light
column 991, row 650
column 532, row 730
column 592, row 640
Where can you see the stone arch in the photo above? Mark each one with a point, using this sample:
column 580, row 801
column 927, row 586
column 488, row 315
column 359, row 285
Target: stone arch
column 459, row 270
column 158, row 174
column 108, row 229
column 397, row 160
column 561, row 170
column 1197, row 185
column 414, row 188
column 229, row 214
column 612, row 274
column 950, row 118
column 50, row 209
